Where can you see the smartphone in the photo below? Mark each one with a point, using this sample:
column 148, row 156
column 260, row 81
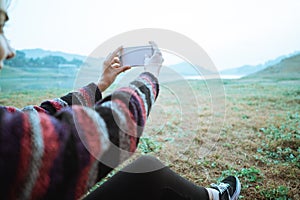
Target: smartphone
column 135, row 56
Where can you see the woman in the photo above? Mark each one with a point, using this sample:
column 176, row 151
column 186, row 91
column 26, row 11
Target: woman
column 60, row 149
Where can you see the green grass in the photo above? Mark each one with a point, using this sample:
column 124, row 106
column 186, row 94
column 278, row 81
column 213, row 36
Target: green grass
column 278, row 193
column 148, row 145
column 281, row 143
column 12, row 79
column 21, row 99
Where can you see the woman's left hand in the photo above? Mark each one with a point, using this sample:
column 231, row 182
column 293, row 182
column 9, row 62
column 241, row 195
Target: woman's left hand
column 111, row 69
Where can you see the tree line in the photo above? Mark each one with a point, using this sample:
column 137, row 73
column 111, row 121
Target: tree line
column 21, row 61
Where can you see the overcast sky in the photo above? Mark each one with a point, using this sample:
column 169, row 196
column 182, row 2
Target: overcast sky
column 232, row 32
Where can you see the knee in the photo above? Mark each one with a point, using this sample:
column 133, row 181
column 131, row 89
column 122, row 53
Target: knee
column 150, row 160
column 145, row 164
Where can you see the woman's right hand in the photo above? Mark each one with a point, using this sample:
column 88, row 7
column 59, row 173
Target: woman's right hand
column 153, row 64
column 111, row 69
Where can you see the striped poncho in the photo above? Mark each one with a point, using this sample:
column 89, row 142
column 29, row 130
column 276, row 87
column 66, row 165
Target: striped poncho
column 58, row 150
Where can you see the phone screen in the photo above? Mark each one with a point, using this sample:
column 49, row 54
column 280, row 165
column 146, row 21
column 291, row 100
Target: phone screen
column 135, row 56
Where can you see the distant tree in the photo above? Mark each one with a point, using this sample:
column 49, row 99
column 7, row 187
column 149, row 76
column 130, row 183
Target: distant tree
column 18, row 61
column 21, row 61
column 52, row 61
column 75, row 62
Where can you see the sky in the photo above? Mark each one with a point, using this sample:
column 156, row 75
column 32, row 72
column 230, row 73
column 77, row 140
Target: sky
column 232, row 32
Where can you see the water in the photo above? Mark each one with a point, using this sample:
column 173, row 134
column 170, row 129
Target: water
column 212, row 76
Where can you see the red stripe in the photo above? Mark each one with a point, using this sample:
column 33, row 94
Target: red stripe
column 90, row 131
column 51, row 147
column 86, row 97
column 25, row 156
column 90, row 135
column 56, row 105
column 151, row 83
column 81, row 187
column 142, row 105
column 39, row 109
column 10, row 109
column 131, row 123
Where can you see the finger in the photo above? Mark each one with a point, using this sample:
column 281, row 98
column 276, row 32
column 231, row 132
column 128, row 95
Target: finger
column 116, row 65
column 123, row 69
column 115, row 60
column 155, row 47
column 115, row 53
column 152, row 43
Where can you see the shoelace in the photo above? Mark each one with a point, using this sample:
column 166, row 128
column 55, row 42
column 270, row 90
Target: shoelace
column 222, row 187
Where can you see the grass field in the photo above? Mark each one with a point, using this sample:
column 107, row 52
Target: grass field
column 24, row 79
column 254, row 135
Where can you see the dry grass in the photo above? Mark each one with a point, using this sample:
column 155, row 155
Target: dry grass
column 234, row 147
column 249, row 135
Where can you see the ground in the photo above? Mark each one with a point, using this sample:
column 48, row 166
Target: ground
column 205, row 131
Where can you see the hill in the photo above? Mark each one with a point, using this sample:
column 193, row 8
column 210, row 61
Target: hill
column 40, row 53
column 243, row 70
column 287, row 68
column 251, row 69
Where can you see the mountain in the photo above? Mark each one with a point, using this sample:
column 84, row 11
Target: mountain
column 243, row 70
column 287, row 68
column 251, row 69
column 40, row 53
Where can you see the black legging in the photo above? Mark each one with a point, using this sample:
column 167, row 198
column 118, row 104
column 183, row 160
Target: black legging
column 162, row 183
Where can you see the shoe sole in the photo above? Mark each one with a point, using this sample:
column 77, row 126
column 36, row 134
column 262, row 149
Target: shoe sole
column 236, row 194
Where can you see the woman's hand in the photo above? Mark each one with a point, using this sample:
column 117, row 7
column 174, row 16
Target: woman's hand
column 153, row 64
column 111, row 69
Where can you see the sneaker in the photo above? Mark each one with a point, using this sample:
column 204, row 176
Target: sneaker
column 229, row 188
